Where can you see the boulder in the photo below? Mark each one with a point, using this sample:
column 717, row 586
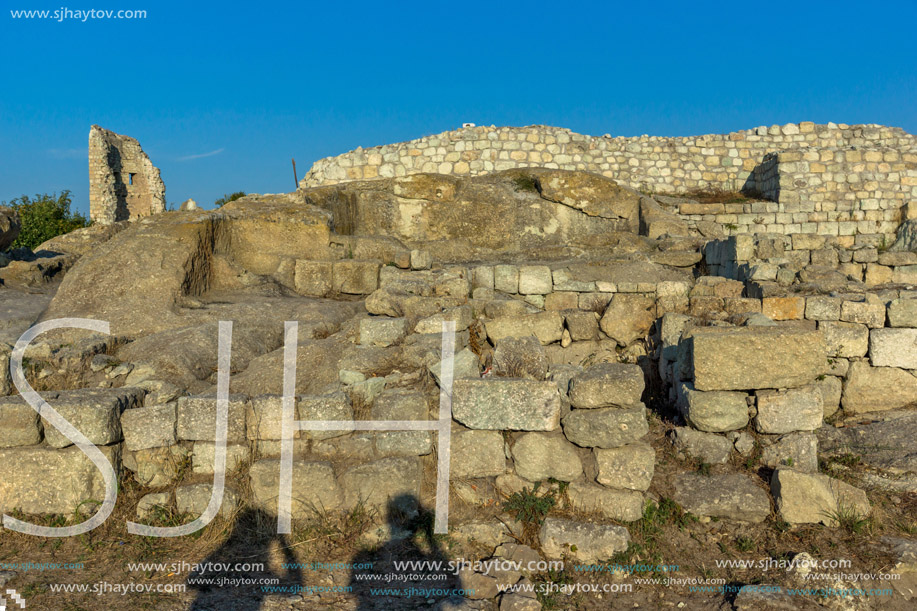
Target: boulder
column 607, row 384
column 745, row 358
column 506, row 404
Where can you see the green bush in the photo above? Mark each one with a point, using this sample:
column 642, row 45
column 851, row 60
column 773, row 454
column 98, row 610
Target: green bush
column 230, row 197
column 44, row 217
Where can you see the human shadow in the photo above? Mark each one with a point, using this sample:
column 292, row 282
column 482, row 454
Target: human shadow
column 379, row 580
column 233, row 576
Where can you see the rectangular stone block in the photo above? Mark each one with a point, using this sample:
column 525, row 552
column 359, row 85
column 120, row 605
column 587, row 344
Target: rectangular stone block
column 746, row 358
column 355, row 277
column 204, row 453
column 506, row 278
column 783, row 308
column 19, row 423
column 785, row 411
column 40, row 480
column 715, row 411
column 312, row 278
column 902, row 313
column 823, row 308
column 845, row 339
column 893, row 348
column 94, row 412
column 399, row 404
column 507, row 404
column 382, row 331
column 873, row 389
column 535, row 280
column 197, row 417
column 477, row 454
column 149, row 427
column 870, row 313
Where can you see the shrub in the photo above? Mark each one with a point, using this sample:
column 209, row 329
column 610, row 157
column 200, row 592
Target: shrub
column 229, row 197
column 44, row 217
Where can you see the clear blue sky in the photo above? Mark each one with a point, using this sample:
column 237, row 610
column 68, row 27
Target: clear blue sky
column 222, row 97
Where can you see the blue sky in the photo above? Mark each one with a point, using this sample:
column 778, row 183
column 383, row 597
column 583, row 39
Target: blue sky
column 222, row 96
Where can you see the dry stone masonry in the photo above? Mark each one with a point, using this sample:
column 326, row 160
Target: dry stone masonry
column 123, row 183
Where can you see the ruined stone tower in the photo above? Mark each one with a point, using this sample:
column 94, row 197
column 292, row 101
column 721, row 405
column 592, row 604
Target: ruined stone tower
column 123, row 182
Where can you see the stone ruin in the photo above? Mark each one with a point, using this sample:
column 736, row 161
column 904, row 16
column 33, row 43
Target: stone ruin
column 123, row 183
column 622, row 346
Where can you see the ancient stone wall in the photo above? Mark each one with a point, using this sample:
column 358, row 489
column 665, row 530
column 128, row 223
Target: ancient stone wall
column 123, row 182
column 829, row 179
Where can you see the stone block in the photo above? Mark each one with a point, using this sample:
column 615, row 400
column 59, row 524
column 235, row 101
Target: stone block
column 507, row 404
column 382, row 331
column 623, row 505
column 465, row 364
column 382, row 482
column 535, row 280
column 540, row 456
column 19, row 423
column 870, row 313
column 583, row 541
column 845, row 339
column 41, row 480
column 204, row 453
column 902, row 313
column 194, row 499
column 548, row 327
column 482, row 276
column 149, row 427
column 506, row 278
column 606, row 427
column 823, row 308
column 313, row 278
column 94, row 412
column 812, row 498
column 873, row 389
column 715, row 411
column 709, row 448
column 731, row 496
column 607, row 384
column 783, row 308
column 402, row 404
column 629, row 466
column 559, row 301
column 893, row 348
column 785, row 411
column 755, row 357
column 796, row 450
column 831, row 389
column 197, row 418
column 628, row 317
column 477, row 454
column 583, row 326
column 314, row 487
column 355, row 277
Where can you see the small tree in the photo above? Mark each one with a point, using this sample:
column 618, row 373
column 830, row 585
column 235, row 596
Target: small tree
column 44, row 217
column 231, row 197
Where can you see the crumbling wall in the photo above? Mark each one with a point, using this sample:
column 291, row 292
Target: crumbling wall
column 123, row 182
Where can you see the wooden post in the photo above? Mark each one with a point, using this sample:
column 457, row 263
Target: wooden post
column 295, row 178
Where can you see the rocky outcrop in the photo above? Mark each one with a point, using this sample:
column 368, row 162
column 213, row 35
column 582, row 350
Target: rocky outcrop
column 9, row 227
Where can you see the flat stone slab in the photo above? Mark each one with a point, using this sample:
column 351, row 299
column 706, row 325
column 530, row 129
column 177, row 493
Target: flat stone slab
column 583, row 541
column 507, row 404
column 732, row 496
column 886, row 446
column 606, row 428
column 746, row 358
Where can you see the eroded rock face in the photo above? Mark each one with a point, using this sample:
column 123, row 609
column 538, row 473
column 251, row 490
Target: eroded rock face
column 512, row 212
column 9, row 227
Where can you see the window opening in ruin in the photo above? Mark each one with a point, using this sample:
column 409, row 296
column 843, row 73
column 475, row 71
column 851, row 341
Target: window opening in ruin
column 130, row 178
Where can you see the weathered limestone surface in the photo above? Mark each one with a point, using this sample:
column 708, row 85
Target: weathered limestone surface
column 733, row 496
column 584, row 541
column 810, row 498
column 606, row 385
column 507, row 404
column 872, row 389
column 756, row 357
